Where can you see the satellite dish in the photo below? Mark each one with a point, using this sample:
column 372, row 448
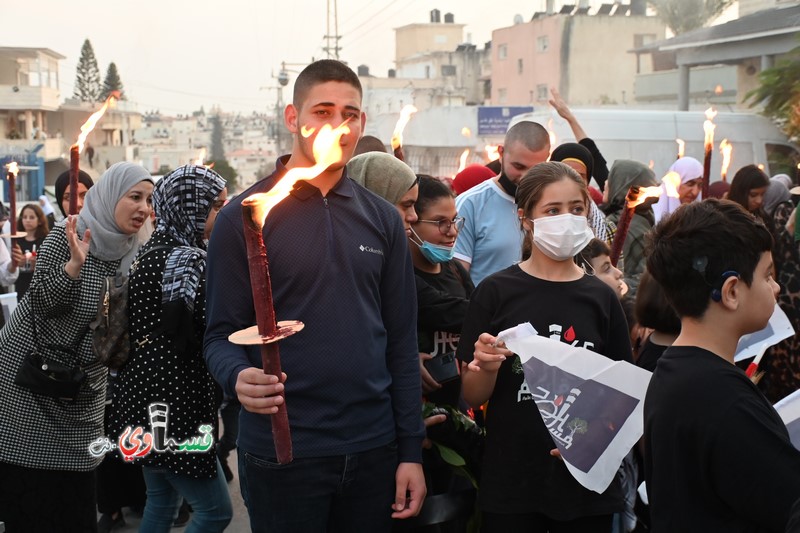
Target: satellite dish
column 518, row 19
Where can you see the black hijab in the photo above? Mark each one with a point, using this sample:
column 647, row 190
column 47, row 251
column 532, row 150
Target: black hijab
column 62, row 182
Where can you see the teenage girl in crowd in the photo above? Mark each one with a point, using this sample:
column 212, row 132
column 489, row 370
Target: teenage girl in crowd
column 525, row 487
column 748, row 187
column 34, row 223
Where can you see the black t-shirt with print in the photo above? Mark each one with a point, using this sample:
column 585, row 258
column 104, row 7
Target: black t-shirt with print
column 717, row 455
column 519, row 475
column 442, row 301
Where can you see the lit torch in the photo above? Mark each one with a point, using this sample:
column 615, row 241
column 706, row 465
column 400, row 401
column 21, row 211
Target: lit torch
column 463, row 160
column 708, row 128
column 268, row 331
column 201, row 157
column 726, row 149
column 635, row 197
column 492, row 152
column 13, row 170
column 466, row 132
column 397, row 136
column 681, row 147
column 552, row 135
column 76, row 149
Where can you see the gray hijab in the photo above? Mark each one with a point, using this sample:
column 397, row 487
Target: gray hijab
column 383, row 174
column 776, row 194
column 108, row 242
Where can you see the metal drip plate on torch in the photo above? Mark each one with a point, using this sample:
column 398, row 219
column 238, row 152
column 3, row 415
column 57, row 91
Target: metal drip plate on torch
column 249, row 336
column 18, row 235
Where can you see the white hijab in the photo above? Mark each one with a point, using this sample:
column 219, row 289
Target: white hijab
column 108, row 242
column 688, row 168
column 46, row 206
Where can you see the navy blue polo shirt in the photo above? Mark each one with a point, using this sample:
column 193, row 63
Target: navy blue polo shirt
column 340, row 264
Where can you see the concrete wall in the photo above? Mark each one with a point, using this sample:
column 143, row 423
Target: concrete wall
column 520, row 43
column 416, row 39
column 597, row 67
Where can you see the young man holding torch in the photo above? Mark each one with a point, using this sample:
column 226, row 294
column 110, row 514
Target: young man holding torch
column 338, row 262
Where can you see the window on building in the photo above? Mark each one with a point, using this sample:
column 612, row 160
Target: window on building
column 502, row 51
column 427, row 71
column 542, row 43
column 440, row 39
column 541, row 91
column 641, row 39
column 519, row 66
column 448, row 70
column 502, row 96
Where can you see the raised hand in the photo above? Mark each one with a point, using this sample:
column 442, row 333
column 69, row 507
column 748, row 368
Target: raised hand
column 78, row 249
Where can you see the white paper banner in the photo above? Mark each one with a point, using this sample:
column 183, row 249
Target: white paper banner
column 789, row 409
column 777, row 329
column 591, row 405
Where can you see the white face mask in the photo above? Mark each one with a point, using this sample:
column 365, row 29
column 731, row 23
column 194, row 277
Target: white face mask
column 561, row 237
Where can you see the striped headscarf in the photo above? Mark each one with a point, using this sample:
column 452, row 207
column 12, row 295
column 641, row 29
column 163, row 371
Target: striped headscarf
column 182, row 201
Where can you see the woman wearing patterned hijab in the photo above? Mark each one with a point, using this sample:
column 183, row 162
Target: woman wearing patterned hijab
column 166, row 310
column 46, row 469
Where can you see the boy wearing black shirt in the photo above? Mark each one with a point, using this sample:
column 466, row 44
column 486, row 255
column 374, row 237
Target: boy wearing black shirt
column 717, row 455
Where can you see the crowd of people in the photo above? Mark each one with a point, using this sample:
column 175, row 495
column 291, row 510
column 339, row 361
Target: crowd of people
column 406, row 411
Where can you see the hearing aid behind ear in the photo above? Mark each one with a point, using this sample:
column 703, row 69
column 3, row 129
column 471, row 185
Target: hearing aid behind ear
column 716, row 294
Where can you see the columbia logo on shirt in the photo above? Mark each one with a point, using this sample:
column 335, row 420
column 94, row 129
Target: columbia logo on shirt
column 370, row 249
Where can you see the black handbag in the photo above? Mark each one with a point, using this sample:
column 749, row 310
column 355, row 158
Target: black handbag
column 48, row 378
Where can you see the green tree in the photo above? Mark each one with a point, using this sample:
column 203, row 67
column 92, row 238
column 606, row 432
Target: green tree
column 87, row 81
column 687, row 15
column 779, row 93
column 217, row 149
column 112, row 83
column 224, row 169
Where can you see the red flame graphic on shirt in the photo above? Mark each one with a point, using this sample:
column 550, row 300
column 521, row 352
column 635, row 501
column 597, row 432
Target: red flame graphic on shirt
column 569, row 335
column 559, row 400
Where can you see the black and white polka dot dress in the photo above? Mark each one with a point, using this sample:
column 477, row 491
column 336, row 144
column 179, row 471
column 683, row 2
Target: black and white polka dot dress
column 158, row 372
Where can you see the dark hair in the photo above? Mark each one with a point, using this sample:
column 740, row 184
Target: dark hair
column 368, row 143
column 495, row 166
column 42, row 227
column 322, row 71
column 532, row 186
column 531, row 134
column 595, row 248
column 430, row 190
column 748, row 177
column 652, row 308
column 62, row 182
column 690, row 250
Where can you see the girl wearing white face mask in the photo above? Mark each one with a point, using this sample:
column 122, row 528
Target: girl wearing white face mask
column 524, row 485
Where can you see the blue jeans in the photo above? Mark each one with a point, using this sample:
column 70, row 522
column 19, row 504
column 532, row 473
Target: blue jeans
column 209, row 498
column 343, row 493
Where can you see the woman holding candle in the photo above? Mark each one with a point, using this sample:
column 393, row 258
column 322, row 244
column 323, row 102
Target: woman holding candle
column 33, row 222
column 46, row 472
column 691, row 172
column 167, row 317
column 624, row 175
column 524, row 487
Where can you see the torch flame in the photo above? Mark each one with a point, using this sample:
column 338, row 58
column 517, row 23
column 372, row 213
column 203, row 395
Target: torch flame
column 671, row 181
column 644, row 194
column 89, row 125
column 651, row 165
column 681, row 147
column 726, row 149
column 492, row 152
column 201, row 157
column 463, row 161
column 405, row 116
column 761, row 166
column 708, row 127
column 13, row 168
column 552, row 135
column 466, row 132
column 327, row 151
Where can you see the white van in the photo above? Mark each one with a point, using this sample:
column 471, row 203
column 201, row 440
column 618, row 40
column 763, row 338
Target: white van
column 646, row 136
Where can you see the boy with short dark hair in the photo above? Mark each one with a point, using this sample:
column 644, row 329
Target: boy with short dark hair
column 717, row 455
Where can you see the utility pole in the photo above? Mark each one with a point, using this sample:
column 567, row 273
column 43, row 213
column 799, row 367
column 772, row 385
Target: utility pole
column 332, row 52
